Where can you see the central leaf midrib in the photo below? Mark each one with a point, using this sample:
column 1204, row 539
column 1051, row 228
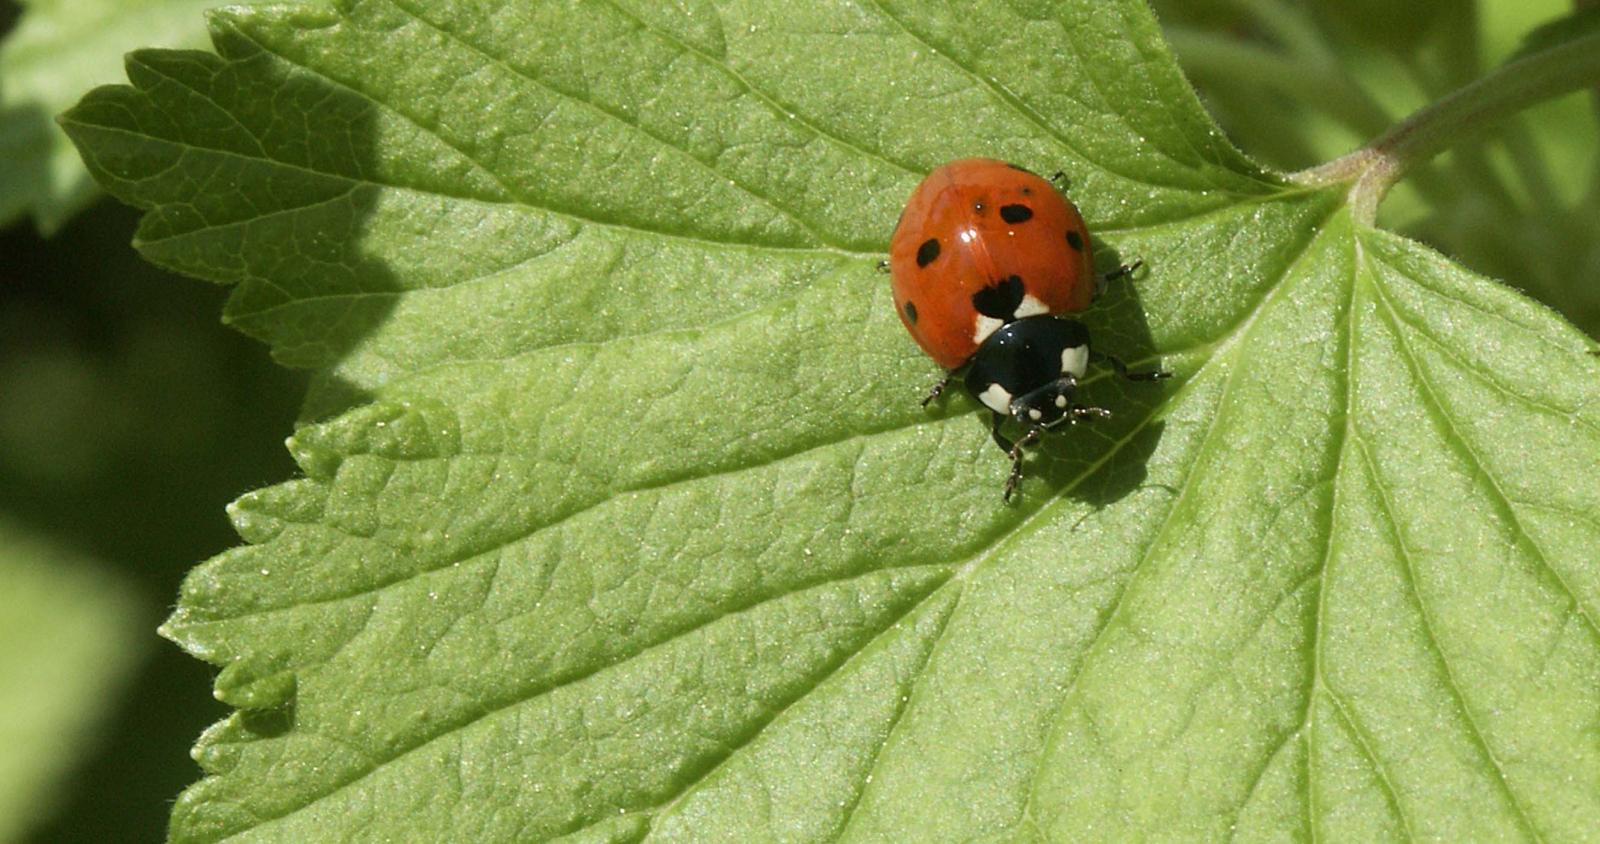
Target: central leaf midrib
column 1318, row 680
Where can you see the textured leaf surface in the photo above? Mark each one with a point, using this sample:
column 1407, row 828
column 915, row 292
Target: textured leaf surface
column 69, row 634
column 622, row 521
column 60, row 49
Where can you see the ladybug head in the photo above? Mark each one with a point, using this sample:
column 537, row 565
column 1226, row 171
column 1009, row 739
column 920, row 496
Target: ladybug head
column 1046, row 407
column 1027, row 369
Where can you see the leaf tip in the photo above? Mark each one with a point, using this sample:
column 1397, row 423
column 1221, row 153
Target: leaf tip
column 314, row 456
column 245, row 685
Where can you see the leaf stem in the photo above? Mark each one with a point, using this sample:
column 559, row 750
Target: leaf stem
column 1375, row 168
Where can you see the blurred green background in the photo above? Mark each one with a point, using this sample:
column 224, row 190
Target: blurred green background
column 129, row 416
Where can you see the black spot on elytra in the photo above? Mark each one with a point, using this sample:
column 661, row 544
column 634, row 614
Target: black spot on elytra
column 927, row 252
column 1074, row 239
column 1016, row 213
column 1001, row 299
column 911, row 312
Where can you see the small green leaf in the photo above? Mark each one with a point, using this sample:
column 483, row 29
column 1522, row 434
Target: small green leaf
column 622, row 518
column 69, row 635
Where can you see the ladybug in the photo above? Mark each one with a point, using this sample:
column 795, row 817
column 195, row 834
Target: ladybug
column 983, row 262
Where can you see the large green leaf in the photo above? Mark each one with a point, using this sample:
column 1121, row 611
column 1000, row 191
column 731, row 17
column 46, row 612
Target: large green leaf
column 622, row 518
column 69, row 635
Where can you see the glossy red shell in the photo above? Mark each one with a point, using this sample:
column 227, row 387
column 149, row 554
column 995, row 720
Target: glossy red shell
column 970, row 209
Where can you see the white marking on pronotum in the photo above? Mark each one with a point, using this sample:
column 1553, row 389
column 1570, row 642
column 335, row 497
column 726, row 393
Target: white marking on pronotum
column 983, row 327
column 1030, row 307
column 1061, row 402
column 996, row 398
column 1035, row 414
column 1075, row 360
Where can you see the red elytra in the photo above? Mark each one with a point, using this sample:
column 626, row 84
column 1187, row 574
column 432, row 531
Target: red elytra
column 982, row 243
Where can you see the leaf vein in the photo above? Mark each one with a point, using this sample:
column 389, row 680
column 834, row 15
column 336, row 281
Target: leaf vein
column 693, row 785
column 625, row 228
column 1446, row 672
column 622, row 119
column 1018, row 105
column 1485, row 375
column 1318, row 679
column 1260, row 775
column 523, row 696
column 557, row 520
column 899, row 714
column 1364, row 743
column 1463, row 446
column 1094, row 81
column 777, row 109
column 341, row 85
column 1227, row 347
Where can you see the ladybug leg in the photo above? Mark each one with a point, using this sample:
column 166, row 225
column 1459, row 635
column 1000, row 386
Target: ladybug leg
column 1124, row 270
column 1122, row 368
column 883, row 265
column 1060, row 179
column 1121, row 272
column 1015, row 453
column 999, row 438
column 938, row 389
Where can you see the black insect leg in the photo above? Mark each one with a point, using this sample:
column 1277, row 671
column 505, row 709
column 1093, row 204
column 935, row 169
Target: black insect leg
column 1101, row 282
column 1016, row 460
column 938, row 389
column 999, row 438
column 883, row 265
column 1122, row 368
column 1124, row 270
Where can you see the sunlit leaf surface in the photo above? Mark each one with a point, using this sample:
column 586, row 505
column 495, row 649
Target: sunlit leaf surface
column 621, row 519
